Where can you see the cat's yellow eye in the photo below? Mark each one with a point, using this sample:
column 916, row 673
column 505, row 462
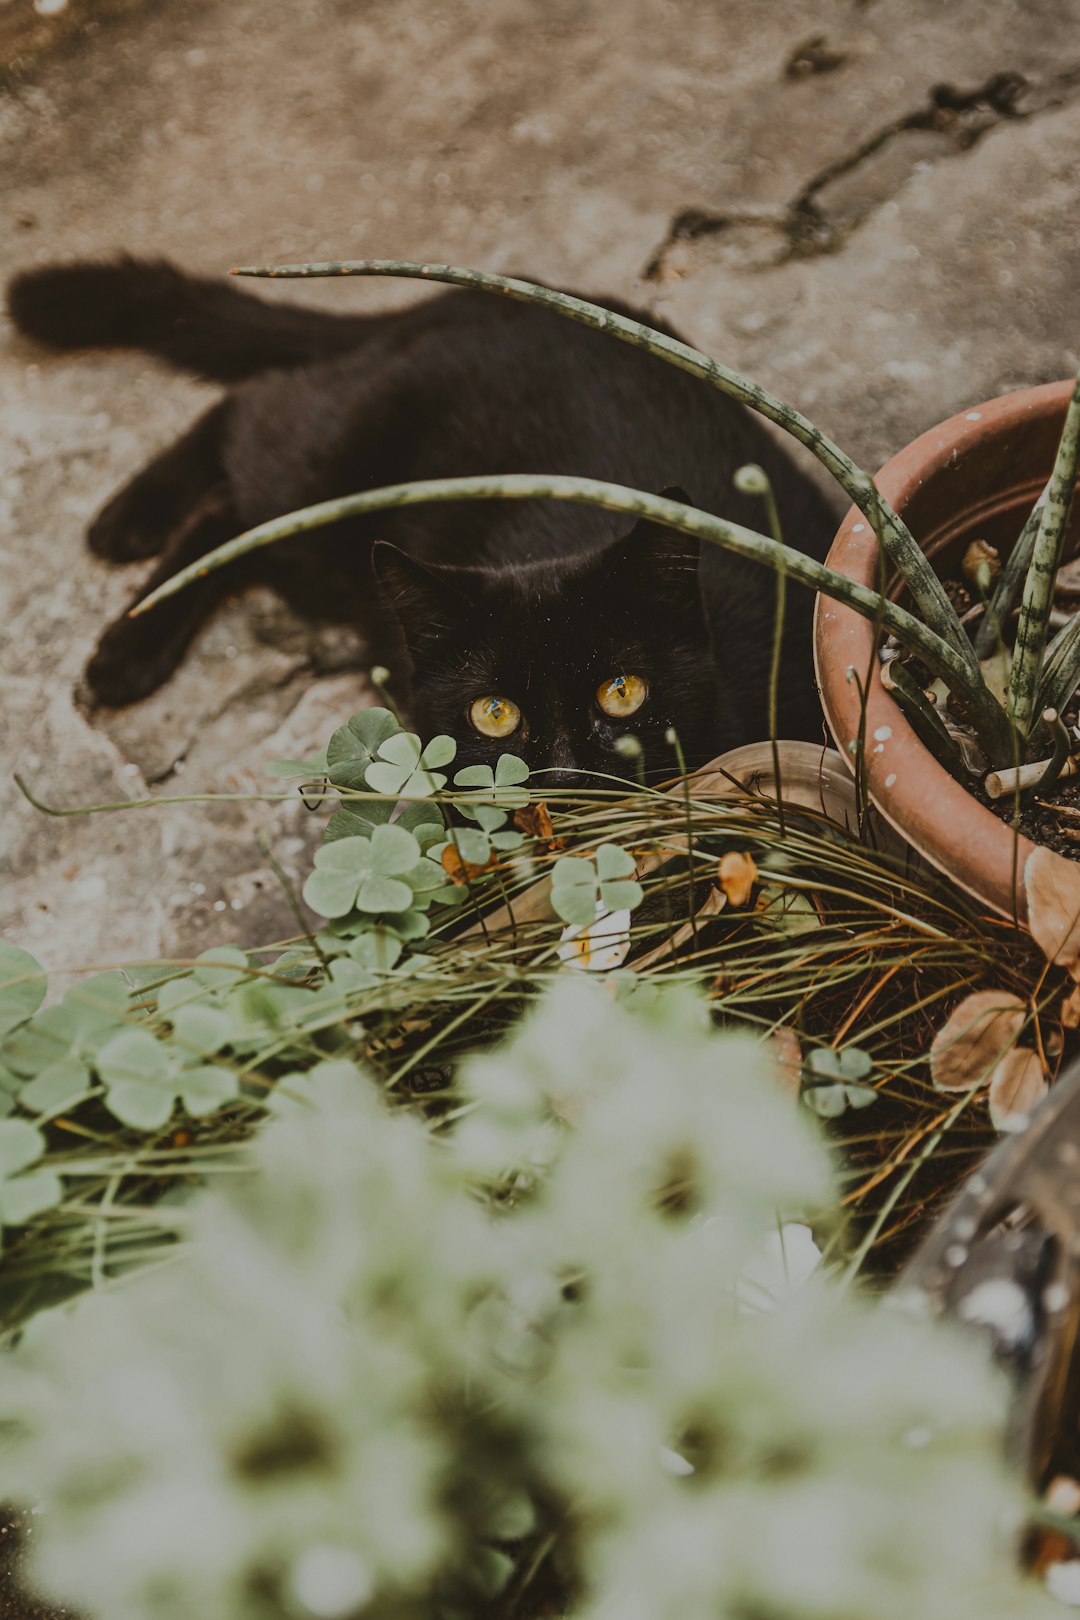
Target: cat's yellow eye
column 621, row 695
column 494, row 716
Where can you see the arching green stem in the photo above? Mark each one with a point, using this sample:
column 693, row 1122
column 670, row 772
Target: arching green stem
column 989, row 718
column 896, row 539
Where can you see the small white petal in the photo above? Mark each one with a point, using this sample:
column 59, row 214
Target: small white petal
column 787, row 1259
column 598, row 946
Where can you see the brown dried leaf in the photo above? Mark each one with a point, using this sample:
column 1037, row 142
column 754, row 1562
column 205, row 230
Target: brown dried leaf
column 978, row 1034
column 787, row 1052
column 738, row 874
column 534, row 820
column 978, row 554
column 1016, row 1086
column 1053, row 896
column 1070, row 1008
column 460, row 871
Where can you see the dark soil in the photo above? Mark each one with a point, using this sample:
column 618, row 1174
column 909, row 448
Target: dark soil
column 1054, row 821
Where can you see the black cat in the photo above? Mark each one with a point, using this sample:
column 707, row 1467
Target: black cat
column 535, row 627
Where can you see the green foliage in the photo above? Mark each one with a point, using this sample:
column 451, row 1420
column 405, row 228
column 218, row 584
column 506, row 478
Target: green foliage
column 835, row 1081
column 397, row 1373
column 580, row 886
column 22, row 986
column 23, row 1192
column 364, row 872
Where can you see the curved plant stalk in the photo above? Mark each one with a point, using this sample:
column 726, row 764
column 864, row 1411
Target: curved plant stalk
column 991, row 632
column 989, row 717
column 754, row 480
column 925, row 721
column 1039, row 585
column 1061, row 668
column 1062, row 745
column 899, row 545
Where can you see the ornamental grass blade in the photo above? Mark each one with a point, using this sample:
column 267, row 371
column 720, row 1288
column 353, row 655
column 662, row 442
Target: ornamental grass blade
column 975, row 1038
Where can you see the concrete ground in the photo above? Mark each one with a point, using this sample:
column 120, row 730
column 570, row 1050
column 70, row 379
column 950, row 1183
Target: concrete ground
column 870, row 205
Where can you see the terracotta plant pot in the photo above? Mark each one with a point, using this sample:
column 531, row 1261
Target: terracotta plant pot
column 976, row 476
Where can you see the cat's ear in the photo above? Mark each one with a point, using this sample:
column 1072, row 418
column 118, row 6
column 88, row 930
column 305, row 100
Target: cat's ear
column 427, row 602
column 657, row 559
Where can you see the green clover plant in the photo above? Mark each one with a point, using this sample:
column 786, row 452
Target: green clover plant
column 580, row 884
column 835, row 1081
column 24, row 1192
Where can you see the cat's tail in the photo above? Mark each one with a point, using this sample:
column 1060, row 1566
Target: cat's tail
column 208, row 327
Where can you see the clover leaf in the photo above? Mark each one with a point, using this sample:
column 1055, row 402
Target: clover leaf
column 365, row 873
column 143, row 1078
column 313, row 767
column 360, row 818
column 497, row 791
column 22, row 1195
column 573, row 889
column 355, row 745
column 221, row 967
column 404, row 768
column 832, row 1081
column 55, row 1052
column 619, row 889
column 579, row 885
column 22, row 986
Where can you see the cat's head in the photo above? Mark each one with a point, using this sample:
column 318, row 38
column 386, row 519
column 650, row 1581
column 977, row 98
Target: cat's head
column 556, row 660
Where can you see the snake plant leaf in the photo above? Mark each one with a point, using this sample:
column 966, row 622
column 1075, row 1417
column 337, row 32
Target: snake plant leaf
column 22, row 986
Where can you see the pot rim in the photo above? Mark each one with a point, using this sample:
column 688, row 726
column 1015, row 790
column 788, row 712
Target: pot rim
column 907, row 785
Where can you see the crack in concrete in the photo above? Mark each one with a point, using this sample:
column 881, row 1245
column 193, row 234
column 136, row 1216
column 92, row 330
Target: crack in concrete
column 820, row 219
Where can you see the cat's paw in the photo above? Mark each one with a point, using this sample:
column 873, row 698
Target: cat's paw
column 123, row 532
column 127, row 666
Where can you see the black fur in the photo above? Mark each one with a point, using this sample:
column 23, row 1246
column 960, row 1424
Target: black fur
column 538, row 602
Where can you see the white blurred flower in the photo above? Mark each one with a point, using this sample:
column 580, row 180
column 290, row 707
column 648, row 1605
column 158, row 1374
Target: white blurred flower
column 597, row 946
column 787, row 1259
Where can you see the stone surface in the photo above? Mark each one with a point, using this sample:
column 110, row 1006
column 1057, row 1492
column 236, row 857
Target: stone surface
column 870, row 206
